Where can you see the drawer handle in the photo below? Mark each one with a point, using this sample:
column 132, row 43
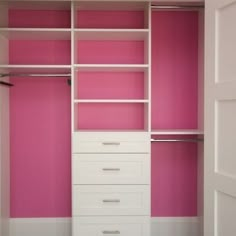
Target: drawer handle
column 111, row 232
column 111, row 143
column 111, row 200
column 111, row 169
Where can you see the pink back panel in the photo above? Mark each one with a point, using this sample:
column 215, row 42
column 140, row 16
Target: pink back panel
column 39, row 52
column 40, row 122
column 174, row 70
column 110, row 19
column 39, row 18
column 174, row 179
column 110, row 85
column 111, row 116
column 110, row 52
column 40, row 148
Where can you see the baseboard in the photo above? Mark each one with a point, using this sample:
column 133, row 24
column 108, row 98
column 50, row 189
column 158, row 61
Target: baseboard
column 161, row 226
column 40, row 226
column 175, row 226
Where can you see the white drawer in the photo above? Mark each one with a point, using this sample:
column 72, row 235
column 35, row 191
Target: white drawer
column 89, row 200
column 111, row 142
column 111, row 226
column 111, row 168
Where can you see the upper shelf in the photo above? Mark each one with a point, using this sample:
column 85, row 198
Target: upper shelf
column 36, row 33
column 25, row 69
column 112, row 67
column 177, row 132
column 111, row 34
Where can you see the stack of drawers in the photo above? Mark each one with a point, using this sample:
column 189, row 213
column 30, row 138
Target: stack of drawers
column 111, row 184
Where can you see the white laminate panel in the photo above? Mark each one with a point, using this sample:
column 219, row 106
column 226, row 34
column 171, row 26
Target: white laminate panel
column 111, row 168
column 89, row 200
column 111, row 142
column 122, row 226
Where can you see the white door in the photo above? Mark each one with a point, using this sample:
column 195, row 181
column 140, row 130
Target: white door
column 220, row 119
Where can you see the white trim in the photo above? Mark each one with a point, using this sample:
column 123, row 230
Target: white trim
column 161, row 226
column 40, row 226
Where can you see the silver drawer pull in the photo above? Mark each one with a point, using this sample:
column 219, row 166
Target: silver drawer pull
column 111, row 143
column 111, row 200
column 111, row 169
column 111, row 232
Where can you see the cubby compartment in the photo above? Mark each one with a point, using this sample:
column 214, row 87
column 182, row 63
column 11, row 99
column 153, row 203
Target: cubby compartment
column 110, row 85
column 110, row 116
column 110, row 19
column 110, row 52
column 175, row 70
column 174, row 161
column 37, row 52
column 112, row 16
column 34, row 18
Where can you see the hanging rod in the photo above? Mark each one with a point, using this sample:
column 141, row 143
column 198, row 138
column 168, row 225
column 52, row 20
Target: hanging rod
column 163, row 7
column 33, row 75
column 178, row 140
column 6, row 84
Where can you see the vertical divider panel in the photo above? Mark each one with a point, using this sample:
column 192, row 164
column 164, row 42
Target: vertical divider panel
column 4, row 135
column 149, row 51
column 3, row 15
column 4, row 58
column 200, row 117
column 73, row 74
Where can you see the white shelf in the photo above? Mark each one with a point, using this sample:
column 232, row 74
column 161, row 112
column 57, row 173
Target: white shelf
column 111, row 5
column 110, row 101
column 109, row 131
column 112, row 34
column 177, row 132
column 36, row 33
column 35, row 68
column 112, row 67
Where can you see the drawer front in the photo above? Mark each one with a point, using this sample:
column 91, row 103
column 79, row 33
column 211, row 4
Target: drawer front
column 111, row 168
column 116, row 226
column 110, row 143
column 89, row 200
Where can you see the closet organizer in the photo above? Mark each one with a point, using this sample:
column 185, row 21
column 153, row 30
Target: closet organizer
column 110, row 93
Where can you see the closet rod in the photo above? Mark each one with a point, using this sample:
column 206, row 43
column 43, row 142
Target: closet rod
column 163, row 7
column 177, row 140
column 33, row 75
column 6, row 84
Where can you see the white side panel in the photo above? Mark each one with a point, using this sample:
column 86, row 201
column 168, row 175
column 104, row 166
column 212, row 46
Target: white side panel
column 4, row 134
column 220, row 111
column 4, row 160
column 167, row 226
column 200, row 178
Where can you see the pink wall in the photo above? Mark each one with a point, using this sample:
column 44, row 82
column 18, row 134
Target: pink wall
column 40, row 148
column 174, row 70
column 34, row 52
column 174, row 106
column 110, row 85
column 39, row 18
column 40, row 116
column 110, row 52
column 110, row 19
column 174, row 179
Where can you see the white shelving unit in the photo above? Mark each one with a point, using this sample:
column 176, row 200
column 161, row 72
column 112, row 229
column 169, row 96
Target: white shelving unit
column 104, row 147
column 107, row 145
